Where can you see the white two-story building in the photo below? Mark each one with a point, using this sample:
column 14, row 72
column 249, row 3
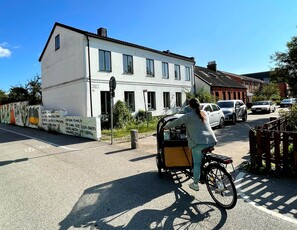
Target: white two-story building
column 76, row 67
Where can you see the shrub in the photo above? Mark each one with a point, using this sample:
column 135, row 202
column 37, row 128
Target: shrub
column 121, row 115
column 291, row 117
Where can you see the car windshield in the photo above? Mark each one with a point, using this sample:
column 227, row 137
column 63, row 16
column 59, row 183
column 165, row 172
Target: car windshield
column 261, row 103
column 226, row 104
column 286, row 100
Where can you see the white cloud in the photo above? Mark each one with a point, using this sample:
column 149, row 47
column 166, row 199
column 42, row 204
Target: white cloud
column 4, row 52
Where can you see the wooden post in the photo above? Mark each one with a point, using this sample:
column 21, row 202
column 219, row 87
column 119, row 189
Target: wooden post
column 266, row 148
column 285, row 150
column 134, row 139
column 277, row 154
column 259, row 140
column 252, row 139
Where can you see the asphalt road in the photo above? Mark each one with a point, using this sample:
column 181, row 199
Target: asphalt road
column 50, row 181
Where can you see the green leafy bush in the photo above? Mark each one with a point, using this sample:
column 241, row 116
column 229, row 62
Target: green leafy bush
column 291, row 117
column 121, row 115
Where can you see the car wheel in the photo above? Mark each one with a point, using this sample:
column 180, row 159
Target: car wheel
column 244, row 118
column 234, row 119
column 222, row 122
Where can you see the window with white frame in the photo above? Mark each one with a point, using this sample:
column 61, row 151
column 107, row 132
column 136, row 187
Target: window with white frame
column 104, row 61
column 178, row 99
column 165, row 70
column 130, row 100
column 151, row 100
column 188, row 73
column 166, row 100
column 57, row 42
column 177, row 72
column 150, row 71
column 127, row 64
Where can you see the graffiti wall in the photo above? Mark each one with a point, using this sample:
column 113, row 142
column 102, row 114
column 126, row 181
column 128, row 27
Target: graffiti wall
column 34, row 116
column 20, row 113
column 50, row 120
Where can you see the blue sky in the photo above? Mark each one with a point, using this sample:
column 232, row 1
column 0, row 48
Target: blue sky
column 239, row 35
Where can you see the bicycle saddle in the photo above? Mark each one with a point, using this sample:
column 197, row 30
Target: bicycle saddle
column 208, row 150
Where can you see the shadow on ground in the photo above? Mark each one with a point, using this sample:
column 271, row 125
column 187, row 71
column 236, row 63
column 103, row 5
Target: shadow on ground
column 142, row 201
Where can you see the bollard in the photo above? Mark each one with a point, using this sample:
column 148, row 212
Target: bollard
column 134, row 139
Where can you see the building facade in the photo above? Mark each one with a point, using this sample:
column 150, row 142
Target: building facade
column 252, row 84
column 218, row 84
column 76, row 68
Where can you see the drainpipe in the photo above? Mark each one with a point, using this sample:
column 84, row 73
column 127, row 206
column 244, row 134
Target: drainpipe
column 194, row 78
column 90, row 79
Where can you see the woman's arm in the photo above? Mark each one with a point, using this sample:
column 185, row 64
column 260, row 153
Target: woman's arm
column 177, row 122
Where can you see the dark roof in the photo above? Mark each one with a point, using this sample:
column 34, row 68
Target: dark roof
column 244, row 77
column 259, row 75
column 216, row 78
column 89, row 34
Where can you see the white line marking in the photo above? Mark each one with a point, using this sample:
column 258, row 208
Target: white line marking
column 63, row 147
column 247, row 199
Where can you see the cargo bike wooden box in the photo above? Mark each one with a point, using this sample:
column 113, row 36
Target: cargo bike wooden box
column 173, row 154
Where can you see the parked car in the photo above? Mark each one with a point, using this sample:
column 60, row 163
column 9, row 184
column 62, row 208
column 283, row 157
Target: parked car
column 233, row 110
column 214, row 112
column 263, row 107
column 288, row 102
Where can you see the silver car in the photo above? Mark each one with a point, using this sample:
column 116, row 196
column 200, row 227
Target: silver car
column 233, row 110
column 288, row 102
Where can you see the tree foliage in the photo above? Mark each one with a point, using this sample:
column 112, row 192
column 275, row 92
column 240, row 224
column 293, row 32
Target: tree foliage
column 202, row 95
column 3, row 97
column 285, row 69
column 30, row 92
column 267, row 92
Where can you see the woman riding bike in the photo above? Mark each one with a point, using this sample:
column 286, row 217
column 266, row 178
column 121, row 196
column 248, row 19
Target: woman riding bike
column 199, row 135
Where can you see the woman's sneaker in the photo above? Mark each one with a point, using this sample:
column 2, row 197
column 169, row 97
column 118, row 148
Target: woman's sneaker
column 194, row 186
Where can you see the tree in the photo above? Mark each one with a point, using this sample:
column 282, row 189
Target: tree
column 3, row 97
column 34, row 90
column 18, row 93
column 31, row 92
column 267, row 92
column 285, row 69
column 202, row 95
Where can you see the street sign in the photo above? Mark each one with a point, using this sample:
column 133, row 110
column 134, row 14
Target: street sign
column 112, row 83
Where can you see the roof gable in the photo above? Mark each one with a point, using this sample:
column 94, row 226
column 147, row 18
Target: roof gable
column 93, row 35
column 242, row 77
column 216, row 78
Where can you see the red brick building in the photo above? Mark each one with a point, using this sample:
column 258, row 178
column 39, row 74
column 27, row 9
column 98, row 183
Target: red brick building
column 218, row 84
column 252, row 84
column 265, row 76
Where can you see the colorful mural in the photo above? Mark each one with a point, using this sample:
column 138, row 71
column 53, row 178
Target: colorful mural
column 20, row 113
column 50, row 120
column 7, row 114
column 34, row 116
